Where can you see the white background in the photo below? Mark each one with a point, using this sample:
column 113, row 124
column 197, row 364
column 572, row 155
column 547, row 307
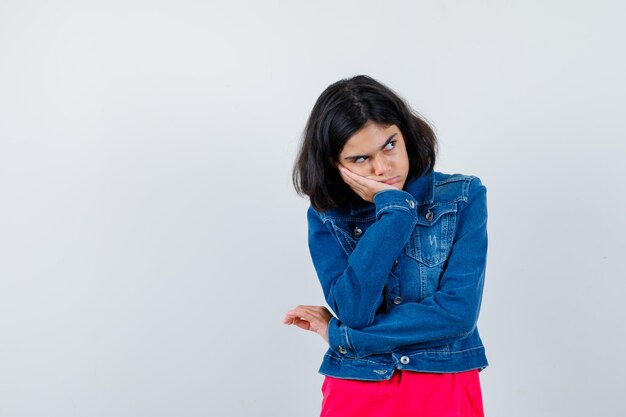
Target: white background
column 150, row 238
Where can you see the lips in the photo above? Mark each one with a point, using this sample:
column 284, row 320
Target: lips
column 391, row 181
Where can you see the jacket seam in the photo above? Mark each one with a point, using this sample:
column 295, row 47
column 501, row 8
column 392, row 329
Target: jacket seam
column 392, row 206
column 345, row 332
column 455, row 178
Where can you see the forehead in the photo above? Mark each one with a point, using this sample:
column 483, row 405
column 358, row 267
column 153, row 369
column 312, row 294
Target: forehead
column 369, row 138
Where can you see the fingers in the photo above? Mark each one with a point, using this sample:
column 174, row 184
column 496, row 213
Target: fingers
column 353, row 181
column 312, row 318
column 316, row 316
column 352, row 177
column 365, row 187
column 310, row 313
column 303, row 324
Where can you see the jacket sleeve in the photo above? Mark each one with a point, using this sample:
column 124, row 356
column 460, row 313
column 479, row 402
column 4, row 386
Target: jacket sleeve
column 451, row 313
column 353, row 285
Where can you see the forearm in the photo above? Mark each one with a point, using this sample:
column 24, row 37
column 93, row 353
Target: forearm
column 353, row 285
column 441, row 319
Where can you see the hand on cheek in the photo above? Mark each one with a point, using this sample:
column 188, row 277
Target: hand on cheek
column 364, row 187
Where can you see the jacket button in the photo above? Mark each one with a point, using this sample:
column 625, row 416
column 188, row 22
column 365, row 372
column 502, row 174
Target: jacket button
column 404, row 360
column 397, row 300
column 395, row 263
column 357, row 231
column 411, row 203
column 429, row 215
column 342, row 350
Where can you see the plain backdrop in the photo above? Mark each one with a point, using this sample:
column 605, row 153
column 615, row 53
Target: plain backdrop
column 151, row 241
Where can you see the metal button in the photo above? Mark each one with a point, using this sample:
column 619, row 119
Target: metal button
column 404, row 360
column 395, row 263
column 342, row 350
column 429, row 215
column 397, row 300
column 411, row 203
column 357, row 231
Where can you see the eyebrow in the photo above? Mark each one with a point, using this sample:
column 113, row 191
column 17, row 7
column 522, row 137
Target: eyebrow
column 355, row 157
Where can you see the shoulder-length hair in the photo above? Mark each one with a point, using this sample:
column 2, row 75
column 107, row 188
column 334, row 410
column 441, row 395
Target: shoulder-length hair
column 341, row 110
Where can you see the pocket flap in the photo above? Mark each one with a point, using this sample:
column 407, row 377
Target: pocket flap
column 429, row 215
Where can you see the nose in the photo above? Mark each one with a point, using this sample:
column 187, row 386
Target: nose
column 380, row 166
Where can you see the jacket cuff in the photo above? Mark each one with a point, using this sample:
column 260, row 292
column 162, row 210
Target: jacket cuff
column 338, row 338
column 388, row 200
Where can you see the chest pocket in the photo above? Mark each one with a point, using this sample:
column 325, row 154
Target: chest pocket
column 431, row 241
column 349, row 234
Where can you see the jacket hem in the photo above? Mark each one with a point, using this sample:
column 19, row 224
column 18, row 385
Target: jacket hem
column 383, row 366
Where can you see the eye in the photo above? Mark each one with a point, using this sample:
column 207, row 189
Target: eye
column 390, row 145
column 360, row 159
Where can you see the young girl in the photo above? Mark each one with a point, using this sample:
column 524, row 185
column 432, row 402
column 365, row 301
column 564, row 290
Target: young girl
column 400, row 251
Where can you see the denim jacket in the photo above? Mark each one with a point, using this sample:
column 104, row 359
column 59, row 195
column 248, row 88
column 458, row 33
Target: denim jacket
column 404, row 277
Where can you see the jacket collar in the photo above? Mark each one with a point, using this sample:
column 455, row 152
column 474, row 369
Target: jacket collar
column 422, row 188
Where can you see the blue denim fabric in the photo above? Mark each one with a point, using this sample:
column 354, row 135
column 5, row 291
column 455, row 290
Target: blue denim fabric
column 404, row 277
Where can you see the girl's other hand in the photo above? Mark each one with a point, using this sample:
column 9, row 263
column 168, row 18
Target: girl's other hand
column 365, row 188
column 313, row 318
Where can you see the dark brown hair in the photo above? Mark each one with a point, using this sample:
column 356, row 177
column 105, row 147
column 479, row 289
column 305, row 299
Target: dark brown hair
column 342, row 109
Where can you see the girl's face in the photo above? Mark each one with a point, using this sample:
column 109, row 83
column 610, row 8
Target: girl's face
column 377, row 152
